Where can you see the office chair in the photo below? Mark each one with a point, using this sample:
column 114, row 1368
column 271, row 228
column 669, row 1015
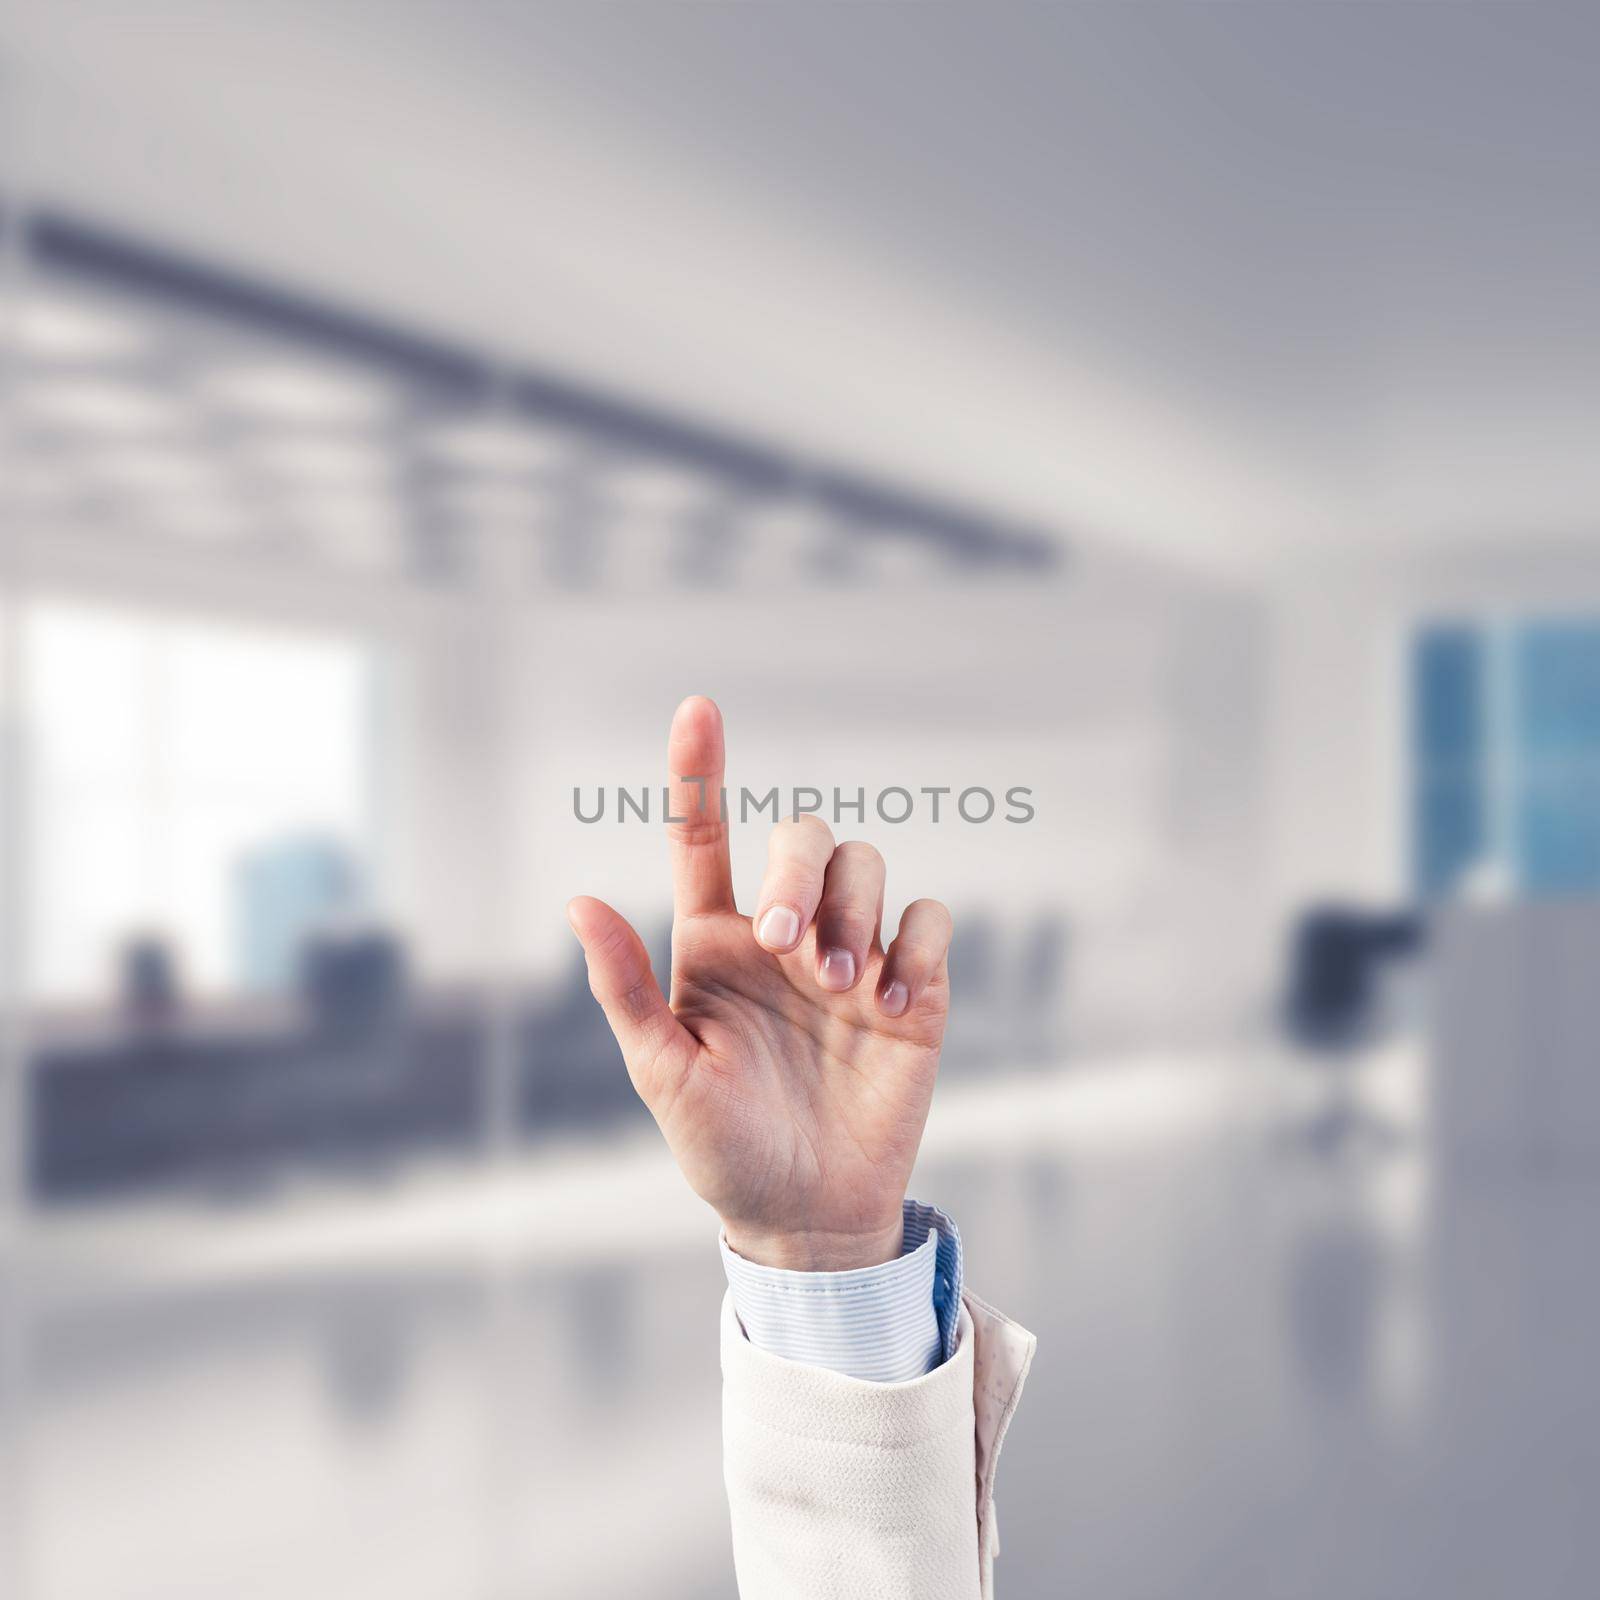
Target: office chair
column 1336, row 1006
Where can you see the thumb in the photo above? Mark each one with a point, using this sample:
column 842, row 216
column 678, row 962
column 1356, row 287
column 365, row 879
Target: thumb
column 654, row 1043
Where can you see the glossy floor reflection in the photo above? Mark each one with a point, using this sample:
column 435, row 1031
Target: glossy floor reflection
column 1262, row 1373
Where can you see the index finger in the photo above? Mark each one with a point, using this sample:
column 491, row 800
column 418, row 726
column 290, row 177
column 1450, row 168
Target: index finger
column 702, row 875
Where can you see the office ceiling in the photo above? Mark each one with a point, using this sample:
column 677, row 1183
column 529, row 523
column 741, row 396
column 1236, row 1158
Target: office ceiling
column 159, row 405
column 1232, row 282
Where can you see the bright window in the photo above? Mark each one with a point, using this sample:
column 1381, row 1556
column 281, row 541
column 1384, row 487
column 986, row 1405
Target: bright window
column 163, row 757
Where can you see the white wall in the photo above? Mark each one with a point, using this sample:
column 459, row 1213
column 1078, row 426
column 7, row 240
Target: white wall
column 1336, row 775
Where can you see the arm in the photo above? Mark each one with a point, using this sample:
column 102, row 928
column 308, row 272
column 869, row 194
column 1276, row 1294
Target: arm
column 791, row 1075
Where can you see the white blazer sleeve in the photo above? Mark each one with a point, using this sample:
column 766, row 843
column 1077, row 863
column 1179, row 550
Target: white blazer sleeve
column 841, row 1489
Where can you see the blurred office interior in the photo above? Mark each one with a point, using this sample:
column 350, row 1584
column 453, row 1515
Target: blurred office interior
column 1182, row 413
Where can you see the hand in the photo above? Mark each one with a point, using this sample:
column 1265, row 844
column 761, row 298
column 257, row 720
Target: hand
column 792, row 1072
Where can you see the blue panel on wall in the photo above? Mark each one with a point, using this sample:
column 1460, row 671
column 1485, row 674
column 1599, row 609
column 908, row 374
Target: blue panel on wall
column 1557, row 756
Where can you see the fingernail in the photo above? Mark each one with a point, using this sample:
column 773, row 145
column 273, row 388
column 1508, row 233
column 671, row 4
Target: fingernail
column 893, row 997
column 838, row 970
column 779, row 928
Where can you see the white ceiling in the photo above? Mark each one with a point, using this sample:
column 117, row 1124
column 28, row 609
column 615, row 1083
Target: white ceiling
column 1229, row 280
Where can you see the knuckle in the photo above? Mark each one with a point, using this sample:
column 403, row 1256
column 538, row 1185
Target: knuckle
column 858, row 853
column 848, row 928
column 695, row 831
column 912, row 955
column 637, row 1002
column 793, row 891
column 802, row 830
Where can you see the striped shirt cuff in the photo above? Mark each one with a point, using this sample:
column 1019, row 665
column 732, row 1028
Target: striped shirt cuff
column 884, row 1324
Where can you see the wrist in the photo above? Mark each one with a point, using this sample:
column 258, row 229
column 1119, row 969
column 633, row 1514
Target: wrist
column 816, row 1250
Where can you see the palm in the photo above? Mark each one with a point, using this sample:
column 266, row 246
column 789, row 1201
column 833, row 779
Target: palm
column 789, row 1092
column 792, row 1072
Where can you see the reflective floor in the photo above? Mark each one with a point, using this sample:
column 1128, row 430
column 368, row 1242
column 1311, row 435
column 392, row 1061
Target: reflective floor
column 1265, row 1370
